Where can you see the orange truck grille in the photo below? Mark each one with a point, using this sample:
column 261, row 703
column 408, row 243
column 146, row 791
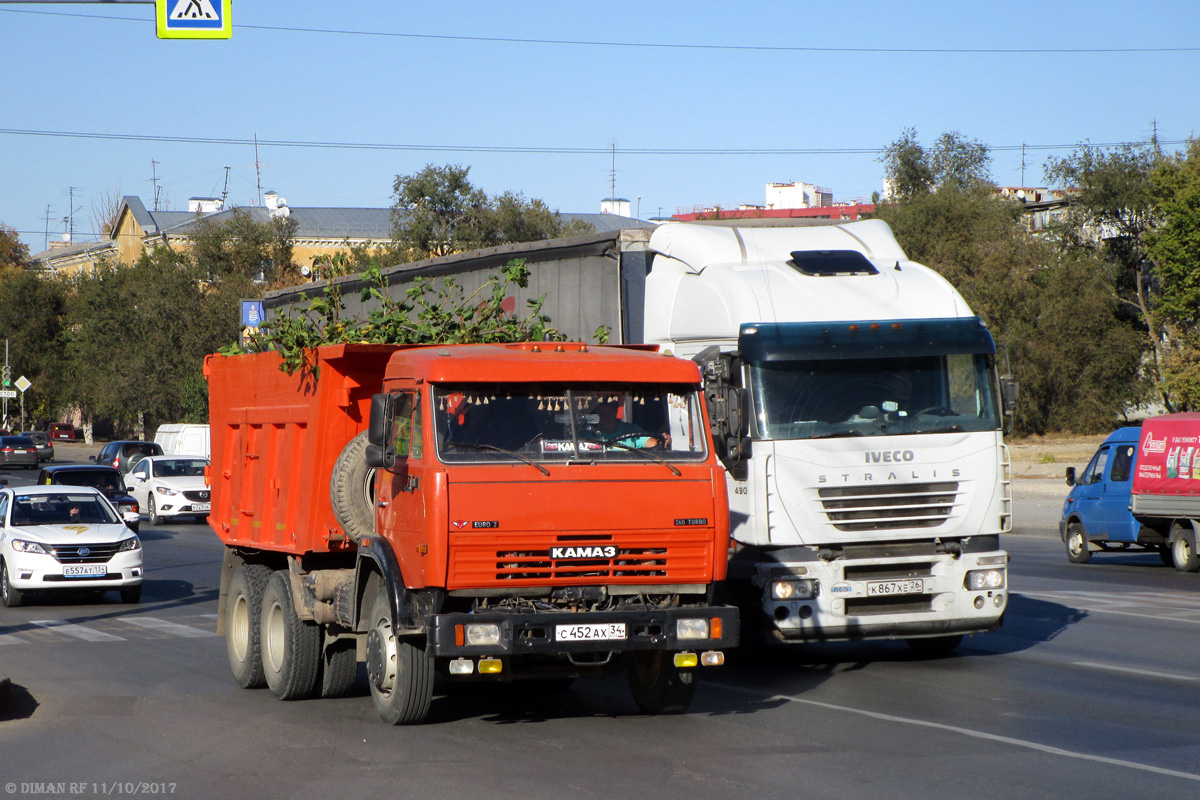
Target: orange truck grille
column 567, row 560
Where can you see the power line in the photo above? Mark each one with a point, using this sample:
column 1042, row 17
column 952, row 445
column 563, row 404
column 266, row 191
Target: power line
column 536, row 149
column 674, row 45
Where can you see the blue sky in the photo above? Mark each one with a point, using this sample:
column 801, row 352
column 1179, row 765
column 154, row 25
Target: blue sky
column 437, row 83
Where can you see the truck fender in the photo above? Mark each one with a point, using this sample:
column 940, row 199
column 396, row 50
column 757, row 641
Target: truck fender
column 377, row 561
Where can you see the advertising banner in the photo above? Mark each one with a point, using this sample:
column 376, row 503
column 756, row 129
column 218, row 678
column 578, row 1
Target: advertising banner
column 1168, row 460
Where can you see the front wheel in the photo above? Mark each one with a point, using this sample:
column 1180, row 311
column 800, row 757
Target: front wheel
column 1078, row 551
column 11, row 596
column 660, row 687
column 1183, row 552
column 152, row 512
column 131, row 594
column 400, row 672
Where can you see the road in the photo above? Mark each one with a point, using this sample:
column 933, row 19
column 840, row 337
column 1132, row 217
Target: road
column 1091, row 689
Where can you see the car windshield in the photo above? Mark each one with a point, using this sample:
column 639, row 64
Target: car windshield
column 60, row 509
column 146, row 449
column 180, row 468
column 104, row 480
column 561, row 422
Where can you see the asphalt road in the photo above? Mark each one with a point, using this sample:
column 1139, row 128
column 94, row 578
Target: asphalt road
column 1090, row 690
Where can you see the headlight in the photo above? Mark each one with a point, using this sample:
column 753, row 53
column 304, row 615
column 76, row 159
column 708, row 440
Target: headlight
column 795, row 589
column 691, row 629
column 22, row 546
column 166, row 490
column 981, row 580
column 483, row 633
column 132, row 543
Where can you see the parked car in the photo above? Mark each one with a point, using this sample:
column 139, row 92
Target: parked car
column 124, row 454
column 44, row 443
column 18, row 451
column 55, row 538
column 107, row 480
column 63, row 431
column 170, row 486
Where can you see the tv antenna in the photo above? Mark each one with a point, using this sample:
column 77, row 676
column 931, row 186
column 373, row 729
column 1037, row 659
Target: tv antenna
column 225, row 191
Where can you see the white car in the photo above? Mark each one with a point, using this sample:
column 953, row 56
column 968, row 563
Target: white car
column 64, row 538
column 168, row 486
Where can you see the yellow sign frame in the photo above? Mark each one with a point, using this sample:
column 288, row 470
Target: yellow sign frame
column 179, row 30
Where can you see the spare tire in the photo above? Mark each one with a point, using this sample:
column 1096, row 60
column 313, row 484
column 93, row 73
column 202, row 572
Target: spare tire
column 352, row 489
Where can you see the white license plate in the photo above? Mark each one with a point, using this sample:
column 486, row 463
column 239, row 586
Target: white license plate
column 85, row 571
column 879, row 588
column 201, row 506
column 590, row 633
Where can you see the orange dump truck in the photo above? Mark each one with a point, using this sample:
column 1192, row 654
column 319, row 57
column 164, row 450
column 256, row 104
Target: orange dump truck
column 493, row 512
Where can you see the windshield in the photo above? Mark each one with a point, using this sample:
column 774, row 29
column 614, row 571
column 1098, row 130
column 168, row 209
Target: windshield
column 61, row 509
column 814, row 399
column 560, row 422
column 104, row 480
column 180, row 468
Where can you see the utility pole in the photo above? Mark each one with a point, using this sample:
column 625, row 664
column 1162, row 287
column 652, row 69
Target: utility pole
column 70, row 217
column 1022, row 164
column 154, row 181
column 47, row 218
column 225, row 191
column 257, row 168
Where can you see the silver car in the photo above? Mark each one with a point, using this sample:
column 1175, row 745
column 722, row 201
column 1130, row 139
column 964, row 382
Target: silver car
column 18, row 451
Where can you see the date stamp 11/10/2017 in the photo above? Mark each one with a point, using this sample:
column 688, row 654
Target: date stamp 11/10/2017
column 89, row 788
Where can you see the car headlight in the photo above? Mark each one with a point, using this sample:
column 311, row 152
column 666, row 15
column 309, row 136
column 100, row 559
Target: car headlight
column 166, row 490
column 132, row 543
column 795, row 589
column 22, row 546
column 981, row 580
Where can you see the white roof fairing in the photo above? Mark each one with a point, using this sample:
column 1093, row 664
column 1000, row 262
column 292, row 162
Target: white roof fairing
column 708, row 280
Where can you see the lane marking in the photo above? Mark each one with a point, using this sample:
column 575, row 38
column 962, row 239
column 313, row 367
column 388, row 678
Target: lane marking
column 165, row 626
column 1134, row 671
column 1165, row 613
column 78, row 631
column 11, row 638
column 990, row 737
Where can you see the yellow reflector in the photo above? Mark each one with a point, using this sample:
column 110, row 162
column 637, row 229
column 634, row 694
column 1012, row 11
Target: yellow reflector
column 490, row 666
column 683, row 660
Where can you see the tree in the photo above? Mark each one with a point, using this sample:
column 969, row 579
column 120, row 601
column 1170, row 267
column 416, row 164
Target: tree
column 240, row 249
column 31, row 317
column 13, row 253
column 954, row 162
column 437, row 211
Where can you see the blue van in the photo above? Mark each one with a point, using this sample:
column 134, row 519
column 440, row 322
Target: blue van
column 1096, row 515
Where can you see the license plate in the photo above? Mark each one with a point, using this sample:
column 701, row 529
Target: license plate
column 590, row 633
column 85, row 571
column 201, row 506
column 880, row 588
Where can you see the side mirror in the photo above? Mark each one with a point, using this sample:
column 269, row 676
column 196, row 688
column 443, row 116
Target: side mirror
column 1009, row 389
column 92, row 459
column 1070, row 476
column 381, row 450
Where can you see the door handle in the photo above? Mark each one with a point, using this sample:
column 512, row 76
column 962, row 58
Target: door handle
column 382, row 503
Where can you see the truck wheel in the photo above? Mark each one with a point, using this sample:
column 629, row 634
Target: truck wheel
column 291, row 647
column 242, row 613
column 339, row 668
column 352, row 489
column 1183, row 552
column 935, row 646
column 659, row 687
column 1078, row 551
column 400, row 673
column 11, row 596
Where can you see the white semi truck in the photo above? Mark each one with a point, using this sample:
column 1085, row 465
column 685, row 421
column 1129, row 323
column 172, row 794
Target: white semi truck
column 854, row 400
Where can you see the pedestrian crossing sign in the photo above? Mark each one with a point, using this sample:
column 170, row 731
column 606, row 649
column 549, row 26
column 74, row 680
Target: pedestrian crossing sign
column 193, row 19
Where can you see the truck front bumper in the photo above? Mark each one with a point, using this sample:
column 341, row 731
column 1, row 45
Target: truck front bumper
column 561, row 632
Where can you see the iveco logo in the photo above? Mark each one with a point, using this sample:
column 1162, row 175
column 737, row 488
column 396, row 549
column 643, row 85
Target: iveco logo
column 85, row 551
column 607, row 551
column 889, row 456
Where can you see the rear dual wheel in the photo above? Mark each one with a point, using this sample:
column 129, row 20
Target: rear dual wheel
column 242, row 630
column 291, row 647
column 1183, row 552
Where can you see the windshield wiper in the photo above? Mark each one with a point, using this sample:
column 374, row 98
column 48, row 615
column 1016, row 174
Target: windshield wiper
column 838, row 435
column 638, row 450
column 512, row 453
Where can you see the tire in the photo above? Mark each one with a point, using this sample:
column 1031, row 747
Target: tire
column 936, row 646
column 243, row 610
column 1183, row 552
column 11, row 595
column 131, row 594
column 399, row 672
column 658, row 686
column 351, row 489
column 152, row 512
column 291, row 647
column 339, row 669
column 1078, row 551
column 1165, row 553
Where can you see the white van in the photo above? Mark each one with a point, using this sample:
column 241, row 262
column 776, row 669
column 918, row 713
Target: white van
column 183, row 439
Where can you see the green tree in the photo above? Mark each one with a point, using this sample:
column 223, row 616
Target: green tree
column 31, row 317
column 13, row 253
column 954, row 162
column 437, row 211
column 241, row 249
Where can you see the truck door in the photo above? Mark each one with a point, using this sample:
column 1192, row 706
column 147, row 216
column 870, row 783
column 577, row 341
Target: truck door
column 1089, row 493
column 1116, row 523
column 404, row 514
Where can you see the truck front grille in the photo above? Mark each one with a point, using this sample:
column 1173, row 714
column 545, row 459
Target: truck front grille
column 879, row 508
column 537, row 565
